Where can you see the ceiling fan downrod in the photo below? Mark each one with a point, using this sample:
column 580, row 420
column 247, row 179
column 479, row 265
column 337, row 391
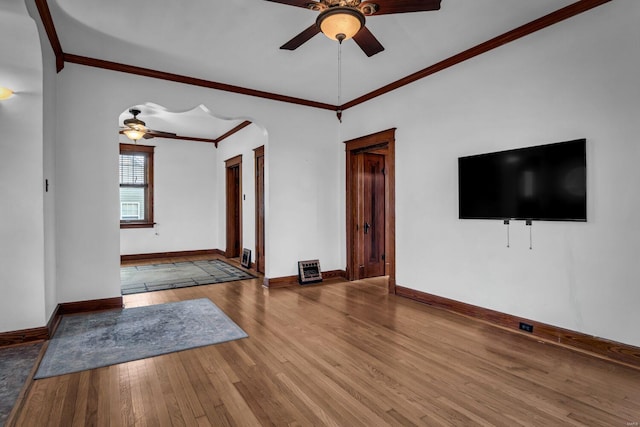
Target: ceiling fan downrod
column 339, row 110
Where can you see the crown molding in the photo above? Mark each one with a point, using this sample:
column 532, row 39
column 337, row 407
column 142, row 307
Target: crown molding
column 178, row 78
column 515, row 34
column 231, row 132
column 49, row 27
column 552, row 18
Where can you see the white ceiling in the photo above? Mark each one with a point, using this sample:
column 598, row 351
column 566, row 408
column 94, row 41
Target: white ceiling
column 237, row 41
column 198, row 122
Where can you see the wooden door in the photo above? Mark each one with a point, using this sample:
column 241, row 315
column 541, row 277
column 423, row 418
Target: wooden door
column 372, row 218
column 234, row 206
column 370, row 203
column 259, row 173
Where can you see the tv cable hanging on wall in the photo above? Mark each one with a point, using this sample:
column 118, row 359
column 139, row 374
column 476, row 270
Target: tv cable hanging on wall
column 528, row 223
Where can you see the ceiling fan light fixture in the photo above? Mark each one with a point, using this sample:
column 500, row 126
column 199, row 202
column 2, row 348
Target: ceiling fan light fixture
column 340, row 23
column 136, row 128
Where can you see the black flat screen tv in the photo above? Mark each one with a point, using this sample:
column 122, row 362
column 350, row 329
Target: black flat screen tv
column 546, row 182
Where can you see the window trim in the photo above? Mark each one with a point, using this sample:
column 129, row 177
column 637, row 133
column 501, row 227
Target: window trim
column 148, row 151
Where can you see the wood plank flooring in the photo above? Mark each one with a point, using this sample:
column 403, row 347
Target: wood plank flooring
column 342, row 354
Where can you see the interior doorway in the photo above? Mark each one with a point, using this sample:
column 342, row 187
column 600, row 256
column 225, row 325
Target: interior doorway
column 373, row 215
column 259, row 174
column 234, row 206
column 370, row 179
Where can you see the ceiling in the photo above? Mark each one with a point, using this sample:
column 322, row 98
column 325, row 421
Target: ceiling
column 198, row 122
column 237, row 42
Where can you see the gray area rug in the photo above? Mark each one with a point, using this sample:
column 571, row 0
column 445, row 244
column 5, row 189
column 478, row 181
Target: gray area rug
column 158, row 277
column 16, row 364
column 95, row 340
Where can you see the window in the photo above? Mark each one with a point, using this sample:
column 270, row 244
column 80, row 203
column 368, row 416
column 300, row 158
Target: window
column 136, row 186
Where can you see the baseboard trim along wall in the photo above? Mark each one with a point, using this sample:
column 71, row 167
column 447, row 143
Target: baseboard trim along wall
column 46, row 332
column 623, row 353
column 288, row 281
column 90, row 305
column 23, row 336
column 177, row 254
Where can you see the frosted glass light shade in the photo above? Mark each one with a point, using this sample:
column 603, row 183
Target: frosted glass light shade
column 133, row 134
column 340, row 20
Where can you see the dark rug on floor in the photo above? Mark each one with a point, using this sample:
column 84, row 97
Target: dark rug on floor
column 158, row 277
column 15, row 365
column 95, row 340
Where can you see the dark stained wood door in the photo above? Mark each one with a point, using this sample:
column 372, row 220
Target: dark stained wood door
column 234, row 206
column 373, row 216
column 370, row 207
column 259, row 173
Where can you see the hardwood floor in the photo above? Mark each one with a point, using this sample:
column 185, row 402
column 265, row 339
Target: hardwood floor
column 342, row 354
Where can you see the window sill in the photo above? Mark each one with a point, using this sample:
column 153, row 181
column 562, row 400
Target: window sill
column 137, row 225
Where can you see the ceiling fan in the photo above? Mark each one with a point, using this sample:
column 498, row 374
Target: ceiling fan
column 343, row 19
column 134, row 128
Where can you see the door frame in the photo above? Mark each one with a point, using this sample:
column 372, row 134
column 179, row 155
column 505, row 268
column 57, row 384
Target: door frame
column 260, row 259
column 229, row 164
column 380, row 143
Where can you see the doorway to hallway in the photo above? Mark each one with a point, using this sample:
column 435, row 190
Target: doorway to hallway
column 234, row 206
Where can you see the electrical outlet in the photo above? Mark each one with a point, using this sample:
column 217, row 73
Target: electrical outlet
column 526, row 327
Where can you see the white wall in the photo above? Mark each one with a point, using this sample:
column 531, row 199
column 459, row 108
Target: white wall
column 302, row 139
column 305, row 198
column 573, row 80
column 48, row 141
column 22, row 273
column 185, row 200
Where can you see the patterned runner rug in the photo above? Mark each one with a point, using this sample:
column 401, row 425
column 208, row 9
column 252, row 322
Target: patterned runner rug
column 158, row 277
column 95, row 340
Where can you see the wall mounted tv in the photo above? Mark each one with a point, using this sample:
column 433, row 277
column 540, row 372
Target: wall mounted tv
column 546, row 182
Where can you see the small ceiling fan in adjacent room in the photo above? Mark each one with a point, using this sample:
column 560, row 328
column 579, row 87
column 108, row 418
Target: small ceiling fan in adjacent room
column 344, row 19
column 134, row 128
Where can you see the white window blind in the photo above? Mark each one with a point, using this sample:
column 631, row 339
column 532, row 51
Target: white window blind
column 133, row 169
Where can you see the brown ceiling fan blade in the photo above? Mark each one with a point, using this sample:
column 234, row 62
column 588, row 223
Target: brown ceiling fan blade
column 301, row 38
column 299, row 3
column 368, row 42
column 386, row 7
column 159, row 133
